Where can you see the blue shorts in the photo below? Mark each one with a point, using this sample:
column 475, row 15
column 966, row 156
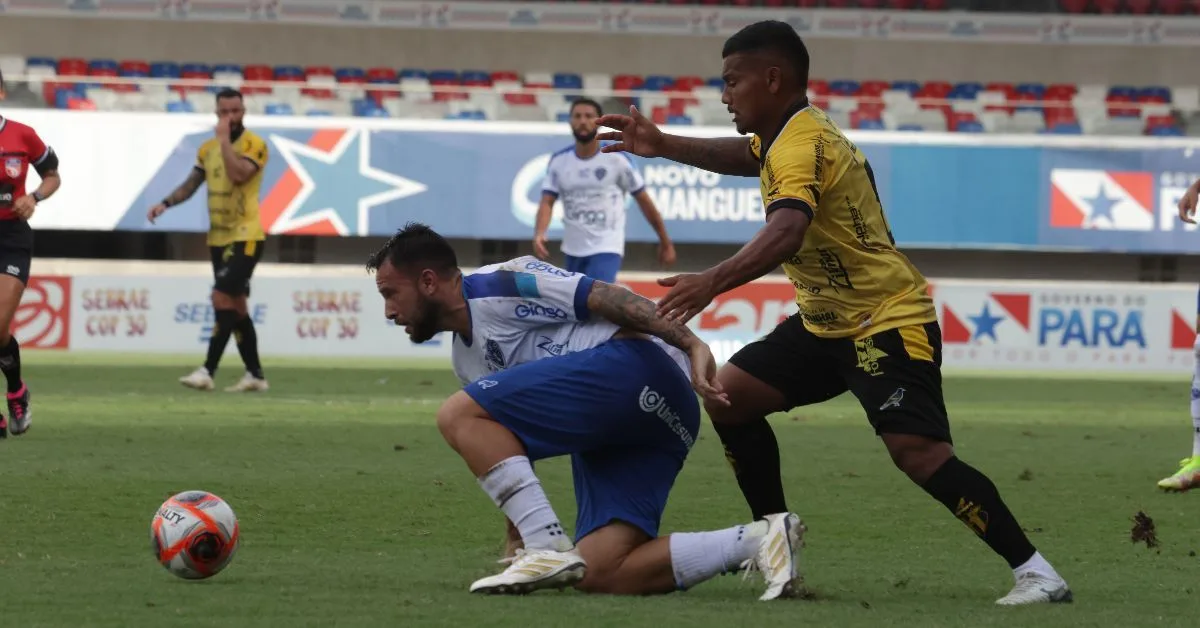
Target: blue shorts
column 623, row 411
column 601, row 266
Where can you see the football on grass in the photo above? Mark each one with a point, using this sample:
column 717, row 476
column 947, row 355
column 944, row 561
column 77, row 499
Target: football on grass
column 194, row 535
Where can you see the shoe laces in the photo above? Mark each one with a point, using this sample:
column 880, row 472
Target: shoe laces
column 16, row 408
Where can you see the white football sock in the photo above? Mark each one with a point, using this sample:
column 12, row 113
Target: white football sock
column 1196, row 399
column 1036, row 564
column 698, row 556
column 518, row 493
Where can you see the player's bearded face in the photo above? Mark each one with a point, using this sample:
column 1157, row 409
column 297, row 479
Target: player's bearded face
column 423, row 324
column 583, row 124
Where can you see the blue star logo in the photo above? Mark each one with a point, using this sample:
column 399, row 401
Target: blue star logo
column 1102, row 205
column 340, row 185
column 985, row 324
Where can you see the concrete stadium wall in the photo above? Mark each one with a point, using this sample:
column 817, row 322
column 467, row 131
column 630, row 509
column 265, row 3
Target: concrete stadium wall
column 523, row 51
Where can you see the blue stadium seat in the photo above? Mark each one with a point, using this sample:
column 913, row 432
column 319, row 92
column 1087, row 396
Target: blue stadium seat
column 871, row 124
column 1065, row 128
column 319, row 113
column 195, row 68
column 375, row 112
column 1155, row 91
column 1036, row 89
column 844, row 87
column 180, row 106
column 716, row 82
column 684, row 120
column 413, row 73
column 278, row 109
column 658, row 82
column 164, row 69
column 563, row 116
column 228, row 68
column 1123, row 90
column 969, row 127
column 131, row 73
column 969, row 87
column 46, row 62
column 959, row 93
column 288, row 71
column 910, row 127
column 350, row 73
column 476, row 76
column 911, row 87
column 102, row 65
column 564, row 80
column 467, row 115
column 443, row 75
column 1167, row 131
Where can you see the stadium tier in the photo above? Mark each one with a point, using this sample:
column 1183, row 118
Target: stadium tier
column 968, row 107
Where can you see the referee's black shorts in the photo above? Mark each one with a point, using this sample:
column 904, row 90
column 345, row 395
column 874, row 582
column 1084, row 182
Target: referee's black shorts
column 233, row 266
column 895, row 374
column 16, row 248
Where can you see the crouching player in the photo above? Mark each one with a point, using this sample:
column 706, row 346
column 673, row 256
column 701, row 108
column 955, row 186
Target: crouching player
column 557, row 364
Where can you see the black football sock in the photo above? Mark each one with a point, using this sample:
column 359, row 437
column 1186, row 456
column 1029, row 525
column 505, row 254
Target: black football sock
column 226, row 321
column 753, row 452
column 247, row 344
column 10, row 363
column 972, row 497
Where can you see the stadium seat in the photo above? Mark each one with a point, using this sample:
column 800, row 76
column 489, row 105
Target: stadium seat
column 381, row 75
column 912, row 87
column 318, row 70
column 1073, row 6
column 278, row 109
column 656, row 83
column 292, row 73
column 971, row 126
column 72, row 67
column 1107, row 6
column 1166, row 131
column 505, row 75
column 565, row 80
column 844, row 88
column 1064, row 128
column 258, row 73
column 443, row 77
column 180, row 106
column 44, row 62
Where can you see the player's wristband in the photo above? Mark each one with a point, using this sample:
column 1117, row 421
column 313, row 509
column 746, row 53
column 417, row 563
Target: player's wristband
column 166, row 202
column 37, row 196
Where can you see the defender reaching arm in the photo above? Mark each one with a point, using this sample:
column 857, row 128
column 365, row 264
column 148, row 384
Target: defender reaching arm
column 638, row 135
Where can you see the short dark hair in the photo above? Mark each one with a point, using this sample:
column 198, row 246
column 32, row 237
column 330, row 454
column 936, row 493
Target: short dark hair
column 589, row 102
column 229, row 92
column 775, row 37
column 416, row 244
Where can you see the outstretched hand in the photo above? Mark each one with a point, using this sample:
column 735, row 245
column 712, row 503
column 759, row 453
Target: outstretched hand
column 634, row 133
column 690, row 293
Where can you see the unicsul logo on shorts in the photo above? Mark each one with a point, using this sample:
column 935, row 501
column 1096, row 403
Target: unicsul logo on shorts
column 525, row 310
column 527, row 193
column 654, row 403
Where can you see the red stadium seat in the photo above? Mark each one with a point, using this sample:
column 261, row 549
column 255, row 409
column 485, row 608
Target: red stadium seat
column 352, row 80
column 938, row 89
column 1107, row 6
column 520, row 99
column 318, row 70
column 659, row 115
column 839, row 4
column 1060, row 91
column 1008, row 89
column 1153, row 122
column 904, row 5
column 258, row 73
column 872, row 110
column 1074, row 6
column 81, row 104
column 505, row 75
column 818, row 87
column 250, row 90
column 627, row 82
column 873, row 88
column 72, row 67
column 102, row 72
column 123, row 87
column 688, row 83
column 381, row 74
column 318, row 92
column 1122, row 106
column 870, row 4
column 135, row 67
column 1139, row 7
column 935, row 5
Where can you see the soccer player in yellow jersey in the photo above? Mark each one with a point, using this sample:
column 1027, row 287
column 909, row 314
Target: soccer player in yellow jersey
column 866, row 324
column 231, row 164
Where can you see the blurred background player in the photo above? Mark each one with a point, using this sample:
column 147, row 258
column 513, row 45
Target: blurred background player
column 614, row 395
column 592, row 186
column 865, row 323
column 20, row 149
column 231, row 164
column 1188, row 475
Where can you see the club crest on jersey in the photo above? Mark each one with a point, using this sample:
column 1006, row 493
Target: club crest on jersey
column 494, row 356
column 12, row 167
column 600, row 172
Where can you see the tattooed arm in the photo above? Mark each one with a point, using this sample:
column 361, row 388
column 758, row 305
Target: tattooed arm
column 178, row 195
column 622, row 307
column 723, row 155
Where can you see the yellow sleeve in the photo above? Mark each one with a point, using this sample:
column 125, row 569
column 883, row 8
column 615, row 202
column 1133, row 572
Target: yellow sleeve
column 256, row 151
column 200, row 156
column 756, row 147
column 795, row 170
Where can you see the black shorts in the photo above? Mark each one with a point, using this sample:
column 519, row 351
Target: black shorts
column 16, row 249
column 895, row 374
column 233, row 265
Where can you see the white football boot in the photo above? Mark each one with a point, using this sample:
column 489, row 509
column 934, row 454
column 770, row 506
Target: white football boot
column 534, row 570
column 778, row 556
column 249, row 383
column 1034, row 588
column 198, row 379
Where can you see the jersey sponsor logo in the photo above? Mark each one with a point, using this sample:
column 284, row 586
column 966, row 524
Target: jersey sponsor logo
column 590, row 217
column 547, row 344
column 652, row 402
column 13, row 166
column 493, row 356
column 869, row 356
column 835, row 271
column 825, row 317
column 550, row 269
column 527, row 310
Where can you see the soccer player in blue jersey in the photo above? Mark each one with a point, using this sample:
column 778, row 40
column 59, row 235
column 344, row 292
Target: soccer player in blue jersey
column 1188, row 475
column 555, row 364
column 592, row 186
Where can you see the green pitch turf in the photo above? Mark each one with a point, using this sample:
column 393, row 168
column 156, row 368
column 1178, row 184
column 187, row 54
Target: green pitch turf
column 355, row 513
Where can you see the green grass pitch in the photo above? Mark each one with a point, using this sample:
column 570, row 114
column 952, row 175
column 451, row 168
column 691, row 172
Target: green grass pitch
column 355, row 513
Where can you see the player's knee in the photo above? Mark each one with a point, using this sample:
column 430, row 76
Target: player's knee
column 457, row 410
column 917, row 456
column 606, row 582
column 222, row 301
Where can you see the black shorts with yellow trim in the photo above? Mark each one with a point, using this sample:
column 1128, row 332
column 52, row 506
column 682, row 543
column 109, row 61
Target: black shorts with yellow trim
column 895, row 374
column 233, row 266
